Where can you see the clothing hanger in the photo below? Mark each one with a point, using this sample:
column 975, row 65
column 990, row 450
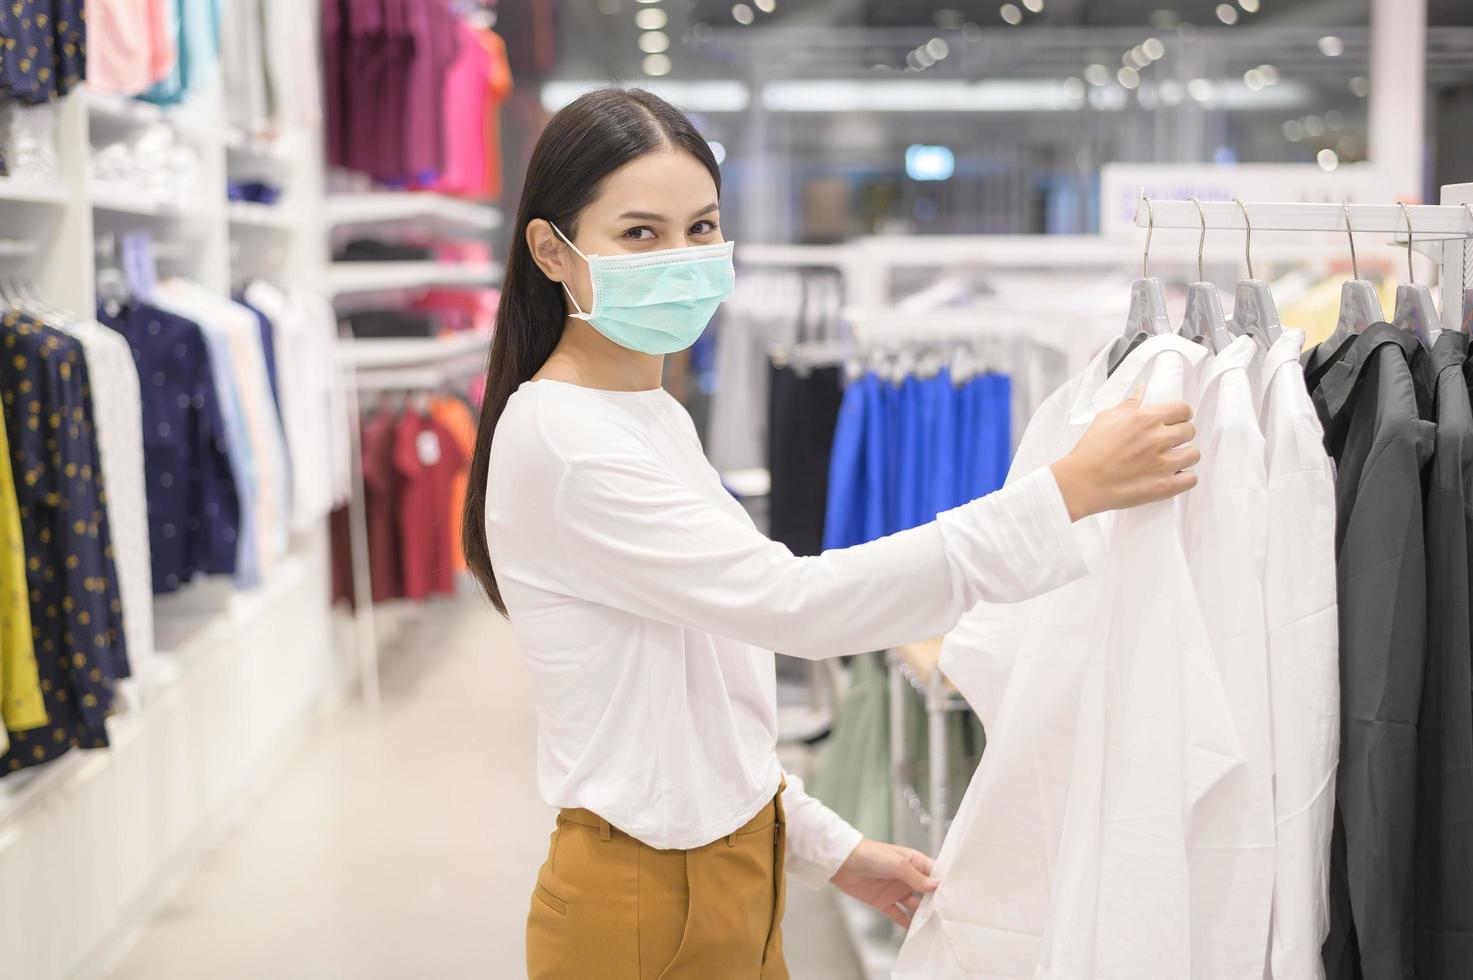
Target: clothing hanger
column 1147, row 316
column 1360, row 304
column 1254, row 311
column 1415, row 310
column 1203, row 321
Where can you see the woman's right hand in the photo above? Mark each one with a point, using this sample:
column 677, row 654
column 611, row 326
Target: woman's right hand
column 1129, row 456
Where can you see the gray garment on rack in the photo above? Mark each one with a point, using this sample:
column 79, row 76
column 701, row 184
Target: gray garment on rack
column 1371, row 399
column 1444, row 865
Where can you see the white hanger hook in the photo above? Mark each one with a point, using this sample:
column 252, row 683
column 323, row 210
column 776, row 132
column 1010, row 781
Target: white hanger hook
column 1407, row 216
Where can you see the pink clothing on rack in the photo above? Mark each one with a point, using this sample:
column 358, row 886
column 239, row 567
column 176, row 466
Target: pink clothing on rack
column 459, row 309
column 129, row 44
column 467, row 84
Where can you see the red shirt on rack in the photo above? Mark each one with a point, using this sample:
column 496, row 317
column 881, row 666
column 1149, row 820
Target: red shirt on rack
column 428, row 457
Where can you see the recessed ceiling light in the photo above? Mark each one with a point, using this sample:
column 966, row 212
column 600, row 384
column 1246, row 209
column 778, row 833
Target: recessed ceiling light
column 766, row 6
column 1253, row 78
column 1249, row 6
column 1074, row 88
column 1011, row 14
column 1034, row 6
column 656, row 65
column 654, row 42
column 1200, row 89
column 742, row 14
column 1270, row 74
column 1227, row 13
column 937, row 48
column 1331, row 46
column 718, row 151
column 1097, row 75
column 1359, row 87
column 651, row 19
column 1128, row 77
column 1327, row 159
column 1154, row 48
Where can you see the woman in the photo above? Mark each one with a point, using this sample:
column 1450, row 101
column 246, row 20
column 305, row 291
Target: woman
column 646, row 603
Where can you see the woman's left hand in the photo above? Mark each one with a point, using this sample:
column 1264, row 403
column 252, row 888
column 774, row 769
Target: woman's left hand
column 887, row 877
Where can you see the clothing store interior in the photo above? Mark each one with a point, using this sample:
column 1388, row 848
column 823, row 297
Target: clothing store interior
column 261, row 719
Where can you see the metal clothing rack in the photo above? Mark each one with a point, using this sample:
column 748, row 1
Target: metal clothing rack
column 416, row 365
column 1440, row 231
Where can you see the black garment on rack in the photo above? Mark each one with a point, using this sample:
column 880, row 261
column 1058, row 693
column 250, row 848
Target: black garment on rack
column 1444, row 867
column 802, row 410
column 379, row 324
column 1373, row 397
column 377, row 250
column 76, row 614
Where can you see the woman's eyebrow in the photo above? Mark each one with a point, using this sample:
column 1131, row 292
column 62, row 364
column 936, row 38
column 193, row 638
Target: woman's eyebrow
column 651, row 216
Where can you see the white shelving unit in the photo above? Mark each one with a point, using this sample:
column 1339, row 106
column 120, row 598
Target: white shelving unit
column 379, row 207
column 92, row 844
column 375, row 277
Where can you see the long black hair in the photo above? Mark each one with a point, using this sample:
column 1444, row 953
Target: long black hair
column 582, row 144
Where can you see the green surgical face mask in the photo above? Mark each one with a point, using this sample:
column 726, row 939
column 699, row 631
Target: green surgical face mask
column 656, row 302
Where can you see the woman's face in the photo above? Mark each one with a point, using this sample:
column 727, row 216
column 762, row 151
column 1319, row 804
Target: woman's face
column 661, row 200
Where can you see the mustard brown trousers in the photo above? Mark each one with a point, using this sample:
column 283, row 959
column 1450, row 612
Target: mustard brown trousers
column 607, row 907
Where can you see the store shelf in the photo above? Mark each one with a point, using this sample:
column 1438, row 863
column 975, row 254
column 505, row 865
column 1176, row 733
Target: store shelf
column 446, row 212
column 118, row 200
column 122, row 111
column 242, row 144
column 372, row 277
column 18, row 191
column 248, row 214
column 411, row 352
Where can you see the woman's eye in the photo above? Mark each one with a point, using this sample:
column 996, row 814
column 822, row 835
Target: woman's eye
column 641, row 234
column 703, row 228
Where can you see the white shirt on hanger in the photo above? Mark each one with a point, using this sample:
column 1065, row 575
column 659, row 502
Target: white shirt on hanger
column 646, row 604
column 1299, row 600
column 1226, row 524
column 303, row 371
column 1110, row 728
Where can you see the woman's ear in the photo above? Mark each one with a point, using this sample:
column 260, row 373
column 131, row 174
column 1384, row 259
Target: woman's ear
column 548, row 250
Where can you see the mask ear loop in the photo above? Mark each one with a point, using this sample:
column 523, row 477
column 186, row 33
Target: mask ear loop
column 580, row 315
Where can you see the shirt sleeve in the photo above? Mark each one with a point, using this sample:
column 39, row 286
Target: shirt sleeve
column 819, row 840
column 637, row 539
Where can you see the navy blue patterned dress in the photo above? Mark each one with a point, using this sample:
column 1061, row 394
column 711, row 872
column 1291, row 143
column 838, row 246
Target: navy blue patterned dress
column 76, row 614
column 193, row 507
column 44, row 51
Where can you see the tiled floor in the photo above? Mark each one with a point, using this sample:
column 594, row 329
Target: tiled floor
column 403, row 846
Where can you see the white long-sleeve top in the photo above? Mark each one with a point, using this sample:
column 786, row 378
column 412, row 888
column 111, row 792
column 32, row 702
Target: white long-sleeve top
column 647, row 605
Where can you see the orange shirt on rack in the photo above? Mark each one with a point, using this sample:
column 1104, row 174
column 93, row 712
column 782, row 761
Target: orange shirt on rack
column 499, row 91
column 457, row 419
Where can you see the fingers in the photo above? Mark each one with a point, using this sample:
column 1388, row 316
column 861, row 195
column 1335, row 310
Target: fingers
column 1133, row 400
column 913, row 877
column 923, row 862
column 1170, row 413
column 1183, row 458
column 1178, row 434
column 898, row 916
